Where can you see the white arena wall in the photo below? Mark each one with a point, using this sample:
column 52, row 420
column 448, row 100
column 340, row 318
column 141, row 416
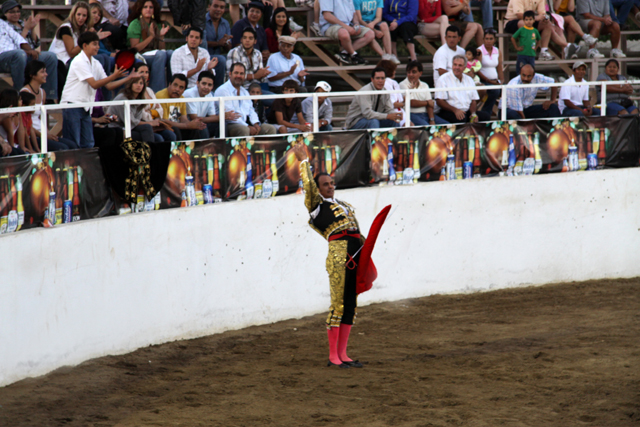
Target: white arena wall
column 111, row 285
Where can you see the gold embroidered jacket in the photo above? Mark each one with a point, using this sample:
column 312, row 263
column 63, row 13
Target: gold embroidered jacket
column 328, row 216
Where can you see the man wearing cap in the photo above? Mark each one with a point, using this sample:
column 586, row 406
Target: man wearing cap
column 373, row 111
column 325, row 107
column 520, row 100
column 15, row 52
column 286, row 65
column 190, row 59
column 254, row 13
column 574, row 100
column 337, row 21
column 245, row 121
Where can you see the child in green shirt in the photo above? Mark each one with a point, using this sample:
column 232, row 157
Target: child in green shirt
column 525, row 41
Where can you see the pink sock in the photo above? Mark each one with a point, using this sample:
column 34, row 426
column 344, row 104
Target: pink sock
column 343, row 340
column 333, row 334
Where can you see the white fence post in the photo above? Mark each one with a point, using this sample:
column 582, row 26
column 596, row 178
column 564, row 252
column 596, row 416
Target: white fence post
column 316, row 120
column 603, row 99
column 407, row 107
column 503, row 110
column 44, row 123
column 127, row 119
column 221, row 118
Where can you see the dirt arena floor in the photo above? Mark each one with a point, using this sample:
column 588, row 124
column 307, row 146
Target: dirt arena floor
column 556, row 355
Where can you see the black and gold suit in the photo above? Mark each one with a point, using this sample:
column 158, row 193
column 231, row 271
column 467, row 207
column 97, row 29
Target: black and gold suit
column 335, row 221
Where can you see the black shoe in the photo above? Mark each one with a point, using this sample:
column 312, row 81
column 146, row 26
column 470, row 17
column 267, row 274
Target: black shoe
column 358, row 60
column 342, row 365
column 344, row 58
column 354, row 364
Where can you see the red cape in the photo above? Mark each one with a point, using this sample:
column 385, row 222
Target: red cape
column 367, row 272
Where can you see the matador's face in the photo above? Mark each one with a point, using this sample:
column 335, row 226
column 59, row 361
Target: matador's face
column 326, row 186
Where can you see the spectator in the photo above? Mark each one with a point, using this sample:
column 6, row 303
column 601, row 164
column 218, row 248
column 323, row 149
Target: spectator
column 397, row 100
column 190, row 59
column 422, row 106
column 254, row 13
column 520, row 100
column 459, row 106
column 116, row 12
column 16, row 52
column 240, row 117
column 104, row 22
column 369, row 14
column 255, row 90
column 85, row 76
column 35, row 77
column 12, row 11
column 373, row 111
column 175, row 114
column 446, row 52
column 565, row 8
column 155, row 111
column 402, row 15
column 250, row 57
column 188, row 14
column 218, row 37
column 624, row 7
column 31, row 142
column 11, row 129
column 618, row 101
column 205, row 111
column 525, row 41
column 286, row 65
column 431, row 21
column 486, row 8
column 99, row 25
column 594, row 18
column 234, row 10
column 337, row 22
column 141, row 130
column 574, row 100
column 325, row 108
column 491, row 72
column 547, row 29
column 285, row 109
column 279, row 26
column 457, row 11
column 106, row 131
column 473, row 64
column 146, row 34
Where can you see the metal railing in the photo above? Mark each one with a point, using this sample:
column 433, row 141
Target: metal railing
column 44, row 109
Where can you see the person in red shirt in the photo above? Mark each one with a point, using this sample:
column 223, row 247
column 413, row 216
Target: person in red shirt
column 431, row 22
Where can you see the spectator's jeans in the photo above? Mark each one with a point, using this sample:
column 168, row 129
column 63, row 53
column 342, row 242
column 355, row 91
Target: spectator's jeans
column 159, row 67
column 624, row 7
column 492, row 98
column 220, row 69
column 77, row 127
column 374, row 124
column 144, row 133
column 15, row 61
column 613, row 108
column 421, row 119
column 522, row 60
column 451, row 117
column 535, row 112
column 61, row 144
column 167, row 136
column 486, row 9
column 572, row 112
column 325, row 128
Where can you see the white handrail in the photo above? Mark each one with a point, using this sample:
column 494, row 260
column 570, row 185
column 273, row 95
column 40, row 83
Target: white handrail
column 221, row 101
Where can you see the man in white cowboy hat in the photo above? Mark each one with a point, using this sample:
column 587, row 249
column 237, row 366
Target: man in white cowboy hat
column 286, row 65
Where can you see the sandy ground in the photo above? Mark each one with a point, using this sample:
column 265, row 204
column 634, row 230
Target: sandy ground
column 556, row 355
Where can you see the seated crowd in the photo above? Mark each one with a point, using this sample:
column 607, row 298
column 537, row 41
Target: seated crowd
column 255, row 55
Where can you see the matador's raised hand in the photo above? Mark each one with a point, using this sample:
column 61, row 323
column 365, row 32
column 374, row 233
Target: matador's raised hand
column 300, row 152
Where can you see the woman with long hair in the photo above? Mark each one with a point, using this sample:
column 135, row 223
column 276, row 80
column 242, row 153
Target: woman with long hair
column 35, row 76
column 141, row 130
column 11, row 129
column 153, row 111
column 146, row 34
column 279, row 26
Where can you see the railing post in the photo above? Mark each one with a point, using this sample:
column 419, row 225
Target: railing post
column 127, row 119
column 407, row 107
column 603, row 99
column 44, row 123
column 316, row 121
column 221, row 118
column 503, row 110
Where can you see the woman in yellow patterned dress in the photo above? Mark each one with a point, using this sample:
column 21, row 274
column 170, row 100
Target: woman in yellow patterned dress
column 335, row 221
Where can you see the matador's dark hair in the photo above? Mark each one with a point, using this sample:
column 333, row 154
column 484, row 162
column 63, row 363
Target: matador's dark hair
column 317, row 178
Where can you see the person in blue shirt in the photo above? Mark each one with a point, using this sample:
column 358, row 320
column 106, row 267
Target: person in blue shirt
column 402, row 15
column 369, row 14
column 218, row 38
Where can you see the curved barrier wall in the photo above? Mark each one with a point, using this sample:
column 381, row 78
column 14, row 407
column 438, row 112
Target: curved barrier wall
column 111, row 285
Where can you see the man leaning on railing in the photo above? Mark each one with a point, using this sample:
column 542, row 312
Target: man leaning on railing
column 373, row 111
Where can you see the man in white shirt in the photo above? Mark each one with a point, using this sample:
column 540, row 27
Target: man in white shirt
column 286, row 65
column 422, row 106
column 190, row 59
column 459, row 106
column 205, row 111
column 241, row 118
column 84, row 78
column 574, row 100
column 444, row 54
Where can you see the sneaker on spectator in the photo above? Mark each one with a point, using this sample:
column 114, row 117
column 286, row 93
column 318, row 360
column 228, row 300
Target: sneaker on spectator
column 578, row 49
column 293, row 25
column 315, row 29
column 546, row 56
column 594, row 53
column 356, row 59
column 589, row 39
column 344, row 58
column 391, row 57
column 569, row 51
column 617, row 53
